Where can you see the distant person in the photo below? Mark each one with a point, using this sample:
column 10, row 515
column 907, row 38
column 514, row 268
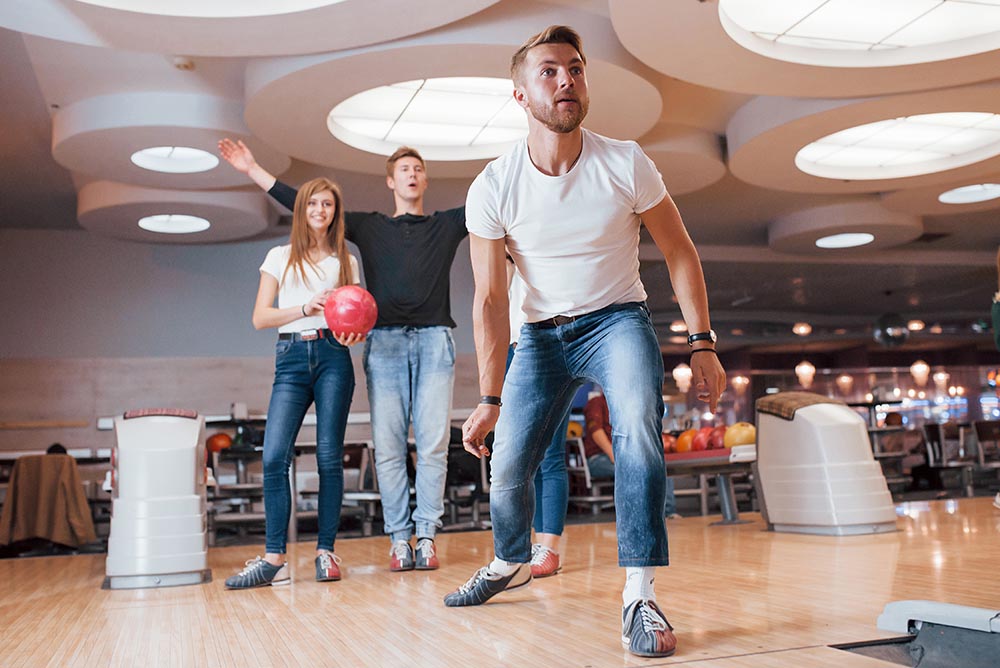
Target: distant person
column 56, row 449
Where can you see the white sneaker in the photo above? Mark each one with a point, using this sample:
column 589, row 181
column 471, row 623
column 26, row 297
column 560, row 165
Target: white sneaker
column 996, row 500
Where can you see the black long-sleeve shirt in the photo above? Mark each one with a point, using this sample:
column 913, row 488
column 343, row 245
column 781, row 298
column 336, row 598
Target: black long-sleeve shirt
column 407, row 260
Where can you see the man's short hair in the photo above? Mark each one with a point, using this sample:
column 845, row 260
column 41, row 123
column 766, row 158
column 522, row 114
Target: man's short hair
column 551, row 35
column 402, row 152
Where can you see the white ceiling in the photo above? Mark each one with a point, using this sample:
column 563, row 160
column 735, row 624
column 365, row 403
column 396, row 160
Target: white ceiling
column 84, row 86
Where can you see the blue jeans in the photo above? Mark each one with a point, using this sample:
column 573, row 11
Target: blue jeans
column 602, row 468
column 317, row 371
column 411, row 374
column 551, row 480
column 615, row 347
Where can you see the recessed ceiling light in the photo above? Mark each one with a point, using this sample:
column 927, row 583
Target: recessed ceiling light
column 802, row 328
column 845, row 240
column 902, row 147
column 212, row 8
column 915, row 325
column 861, row 33
column 454, row 118
column 968, row 194
column 175, row 159
column 678, row 326
column 173, row 223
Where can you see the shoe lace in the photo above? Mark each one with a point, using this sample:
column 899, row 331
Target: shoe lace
column 539, row 553
column 251, row 565
column 400, row 549
column 479, row 576
column 326, row 557
column 425, row 548
column 651, row 620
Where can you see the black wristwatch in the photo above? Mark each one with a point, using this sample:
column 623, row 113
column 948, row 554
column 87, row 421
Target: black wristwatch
column 702, row 336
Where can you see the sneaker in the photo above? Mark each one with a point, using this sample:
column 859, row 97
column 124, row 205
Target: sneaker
column 327, row 567
column 258, row 573
column 426, row 555
column 675, row 516
column 402, row 556
column 486, row 584
column 996, row 500
column 645, row 631
column 544, row 561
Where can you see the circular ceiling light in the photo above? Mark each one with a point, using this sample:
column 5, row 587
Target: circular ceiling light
column 213, row 8
column 903, row 147
column 453, row 118
column 802, row 328
column 174, row 223
column 981, row 192
column 856, row 33
column 175, row 159
column 847, row 240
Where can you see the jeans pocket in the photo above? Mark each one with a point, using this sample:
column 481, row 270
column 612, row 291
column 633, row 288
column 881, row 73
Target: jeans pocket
column 282, row 347
column 450, row 346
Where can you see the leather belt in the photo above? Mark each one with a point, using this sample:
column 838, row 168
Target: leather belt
column 305, row 335
column 555, row 321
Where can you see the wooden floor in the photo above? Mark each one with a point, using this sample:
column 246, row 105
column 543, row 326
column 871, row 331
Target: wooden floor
column 737, row 595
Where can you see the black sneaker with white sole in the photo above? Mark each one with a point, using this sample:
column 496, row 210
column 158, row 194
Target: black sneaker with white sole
column 486, row 584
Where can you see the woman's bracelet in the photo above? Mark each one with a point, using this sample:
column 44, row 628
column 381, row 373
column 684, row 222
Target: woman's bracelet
column 706, row 350
column 304, row 311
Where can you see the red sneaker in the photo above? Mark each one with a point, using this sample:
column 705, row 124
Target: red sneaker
column 401, row 556
column 327, row 567
column 544, row 561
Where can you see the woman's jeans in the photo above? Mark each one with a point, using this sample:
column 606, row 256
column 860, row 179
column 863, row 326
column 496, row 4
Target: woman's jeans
column 617, row 348
column 317, row 371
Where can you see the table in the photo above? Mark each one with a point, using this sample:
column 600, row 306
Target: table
column 721, row 464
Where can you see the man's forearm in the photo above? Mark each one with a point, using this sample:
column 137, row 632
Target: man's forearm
column 491, row 327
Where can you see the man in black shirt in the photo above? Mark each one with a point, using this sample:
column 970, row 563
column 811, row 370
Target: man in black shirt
column 409, row 356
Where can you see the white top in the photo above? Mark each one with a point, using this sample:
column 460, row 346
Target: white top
column 292, row 292
column 574, row 238
column 516, row 295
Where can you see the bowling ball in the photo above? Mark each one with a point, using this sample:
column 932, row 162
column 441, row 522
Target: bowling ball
column 700, row 440
column 669, row 443
column 350, row 309
column 574, row 430
column 741, row 433
column 717, row 438
column 219, row 441
column 684, row 440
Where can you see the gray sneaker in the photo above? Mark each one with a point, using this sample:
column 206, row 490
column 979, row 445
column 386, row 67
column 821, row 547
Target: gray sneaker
column 258, row 573
column 486, row 584
column 645, row 631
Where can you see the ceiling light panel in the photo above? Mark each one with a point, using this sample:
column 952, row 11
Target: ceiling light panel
column 475, row 116
column 172, row 223
column 175, row 159
column 813, row 31
column 981, row 192
column 903, row 147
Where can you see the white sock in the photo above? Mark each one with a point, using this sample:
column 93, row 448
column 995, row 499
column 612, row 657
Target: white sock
column 501, row 567
column 639, row 584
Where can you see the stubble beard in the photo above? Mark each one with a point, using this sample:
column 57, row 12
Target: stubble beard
column 560, row 122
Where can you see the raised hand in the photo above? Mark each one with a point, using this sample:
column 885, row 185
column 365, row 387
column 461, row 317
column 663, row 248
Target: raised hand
column 237, row 154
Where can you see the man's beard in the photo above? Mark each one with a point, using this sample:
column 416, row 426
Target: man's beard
column 560, row 122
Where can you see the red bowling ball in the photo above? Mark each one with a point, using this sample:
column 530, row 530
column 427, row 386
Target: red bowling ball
column 350, row 310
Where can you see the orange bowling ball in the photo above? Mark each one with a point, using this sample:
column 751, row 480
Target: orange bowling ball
column 219, row 441
column 684, row 441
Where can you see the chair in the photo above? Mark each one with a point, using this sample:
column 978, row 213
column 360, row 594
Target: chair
column 943, row 456
column 361, row 494
column 467, row 484
column 988, row 437
column 45, row 499
column 584, row 490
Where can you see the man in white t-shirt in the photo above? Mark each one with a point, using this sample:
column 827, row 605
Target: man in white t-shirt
column 567, row 205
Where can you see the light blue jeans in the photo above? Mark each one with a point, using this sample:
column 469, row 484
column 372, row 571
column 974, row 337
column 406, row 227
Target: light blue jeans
column 317, row 371
column 602, row 468
column 411, row 374
column 615, row 347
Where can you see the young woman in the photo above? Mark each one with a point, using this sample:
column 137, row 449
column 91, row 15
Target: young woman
column 312, row 364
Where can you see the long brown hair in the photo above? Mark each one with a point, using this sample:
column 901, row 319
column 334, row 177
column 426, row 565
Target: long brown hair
column 301, row 240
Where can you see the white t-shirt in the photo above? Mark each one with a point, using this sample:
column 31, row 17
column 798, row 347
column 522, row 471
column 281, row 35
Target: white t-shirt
column 292, row 292
column 516, row 295
column 574, row 238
